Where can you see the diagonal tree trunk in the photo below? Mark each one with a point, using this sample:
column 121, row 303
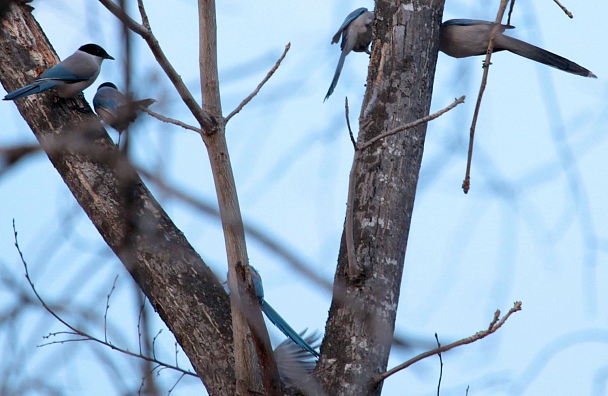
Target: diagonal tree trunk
column 361, row 321
column 177, row 282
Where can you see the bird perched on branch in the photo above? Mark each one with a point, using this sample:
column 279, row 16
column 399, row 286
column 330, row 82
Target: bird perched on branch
column 275, row 318
column 461, row 38
column 69, row 77
column 115, row 109
column 356, row 32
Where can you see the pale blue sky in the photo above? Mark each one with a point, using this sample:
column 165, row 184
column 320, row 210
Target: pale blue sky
column 532, row 227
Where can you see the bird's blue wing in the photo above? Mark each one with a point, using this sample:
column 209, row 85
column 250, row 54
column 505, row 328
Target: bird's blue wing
column 285, row 328
column 256, row 278
column 60, row 72
column 471, row 22
column 465, row 22
column 106, row 103
column 109, row 99
column 349, row 18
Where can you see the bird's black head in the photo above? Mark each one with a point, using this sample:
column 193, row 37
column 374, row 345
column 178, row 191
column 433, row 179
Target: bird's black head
column 107, row 84
column 95, row 50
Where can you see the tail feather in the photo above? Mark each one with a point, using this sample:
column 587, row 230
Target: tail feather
column 540, row 55
column 334, row 82
column 144, row 103
column 285, row 328
column 36, row 87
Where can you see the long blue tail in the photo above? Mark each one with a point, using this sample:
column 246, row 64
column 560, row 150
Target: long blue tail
column 285, row 328
column 543, row 56
column 334, row 82
column 36, row 87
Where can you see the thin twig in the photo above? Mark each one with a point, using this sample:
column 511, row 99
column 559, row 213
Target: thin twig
column 440, row 364
column 422, row 120
column 139, row 319
column 511, row 7
column 204, row 119
column 79, row 333
column 260, row 85
column 564, row 9
column 171, row 120
column 350, row 131
column 493, row 327
column 174, row 385
column 154, row 343
column 105, row 314
column 144, row 15
column 486, row 68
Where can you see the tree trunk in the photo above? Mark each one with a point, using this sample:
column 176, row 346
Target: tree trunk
column 179, row 285
column 361, row 321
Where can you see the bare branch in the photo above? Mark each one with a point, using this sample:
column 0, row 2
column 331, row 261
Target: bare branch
column 260, row 85
column 511, row 7
column 350, row 131
column 76, row 332
column 205, row 120
column 422, row 120
column 440, row 365
column 142, row 12
column 105, row 314
column 566, row 11
column 494, row 325
column 173, row 121
column 486, row 68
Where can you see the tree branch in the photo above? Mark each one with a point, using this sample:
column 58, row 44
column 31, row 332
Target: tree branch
column 486, row 69
column 260, row 85
column 566, row 11
column 207, row 123
column 79, row 333
column 410, row 125
column 494, row 325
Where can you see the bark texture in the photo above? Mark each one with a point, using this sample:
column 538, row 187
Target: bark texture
column 361, row 321
column 177, row 282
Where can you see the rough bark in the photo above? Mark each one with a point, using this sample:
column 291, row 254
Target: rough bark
column 362, row 315
column 177, row 282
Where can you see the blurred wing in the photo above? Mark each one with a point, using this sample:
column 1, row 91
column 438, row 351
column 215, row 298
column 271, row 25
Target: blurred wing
column 295, row 364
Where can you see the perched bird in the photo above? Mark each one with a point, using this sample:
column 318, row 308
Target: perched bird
column 70, row 77
column 356, row 32
column 469, row 37
column 275, row 318
column 114, row 108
